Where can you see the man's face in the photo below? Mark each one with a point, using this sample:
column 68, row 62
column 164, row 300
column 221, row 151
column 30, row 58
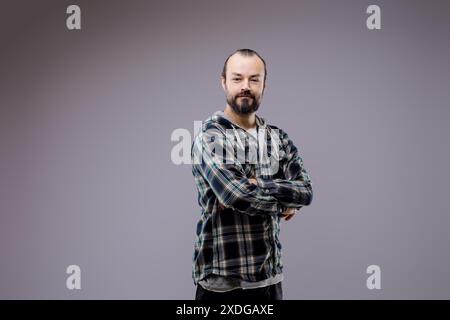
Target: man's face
column 244, row 83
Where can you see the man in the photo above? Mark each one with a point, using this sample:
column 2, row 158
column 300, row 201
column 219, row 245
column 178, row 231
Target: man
column 237, row 254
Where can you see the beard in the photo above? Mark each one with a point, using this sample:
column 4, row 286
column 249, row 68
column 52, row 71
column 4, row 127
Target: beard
column 246, row 105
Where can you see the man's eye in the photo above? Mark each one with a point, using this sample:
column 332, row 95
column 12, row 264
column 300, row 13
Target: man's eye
column 255, row 80
column 236, row 79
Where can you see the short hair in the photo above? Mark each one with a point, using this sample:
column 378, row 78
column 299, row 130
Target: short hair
column 246, row 53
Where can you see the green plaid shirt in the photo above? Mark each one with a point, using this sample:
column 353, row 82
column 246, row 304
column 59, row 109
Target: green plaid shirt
column 238, row 231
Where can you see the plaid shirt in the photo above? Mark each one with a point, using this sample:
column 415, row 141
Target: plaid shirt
column 238, row 231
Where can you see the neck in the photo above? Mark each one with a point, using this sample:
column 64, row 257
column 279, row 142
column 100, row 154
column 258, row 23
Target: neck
column 246, row 121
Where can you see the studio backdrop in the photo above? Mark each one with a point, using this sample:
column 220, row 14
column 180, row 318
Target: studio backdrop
column 93, row 95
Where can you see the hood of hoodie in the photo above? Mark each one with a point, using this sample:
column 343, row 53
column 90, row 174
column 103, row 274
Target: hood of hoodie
column 219, row 119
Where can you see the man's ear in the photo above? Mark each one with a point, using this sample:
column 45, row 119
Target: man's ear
column 223, row 83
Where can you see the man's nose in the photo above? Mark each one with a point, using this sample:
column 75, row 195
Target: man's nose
column 245, row 85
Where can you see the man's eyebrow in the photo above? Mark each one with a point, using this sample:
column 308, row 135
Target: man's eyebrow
column 252, row 76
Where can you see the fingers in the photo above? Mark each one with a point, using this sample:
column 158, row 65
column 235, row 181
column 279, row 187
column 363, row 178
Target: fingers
column 289, row 211
column 288, row 214
column 289, row 217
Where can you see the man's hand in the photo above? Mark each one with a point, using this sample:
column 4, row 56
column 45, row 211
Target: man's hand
column 288, row 214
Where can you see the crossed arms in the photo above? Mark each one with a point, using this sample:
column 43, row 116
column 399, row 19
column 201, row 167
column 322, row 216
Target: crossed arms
column 255, row 195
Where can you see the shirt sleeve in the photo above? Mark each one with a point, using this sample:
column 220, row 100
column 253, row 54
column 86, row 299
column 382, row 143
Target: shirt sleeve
column 228, row 180
column 295, row 190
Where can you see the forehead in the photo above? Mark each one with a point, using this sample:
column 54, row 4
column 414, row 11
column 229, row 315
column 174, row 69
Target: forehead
column 245, row 65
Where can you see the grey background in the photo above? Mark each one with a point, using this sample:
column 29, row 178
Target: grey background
column 86, row 118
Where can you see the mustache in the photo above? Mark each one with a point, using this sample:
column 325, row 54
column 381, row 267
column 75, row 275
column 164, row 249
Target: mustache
column 245, row 95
